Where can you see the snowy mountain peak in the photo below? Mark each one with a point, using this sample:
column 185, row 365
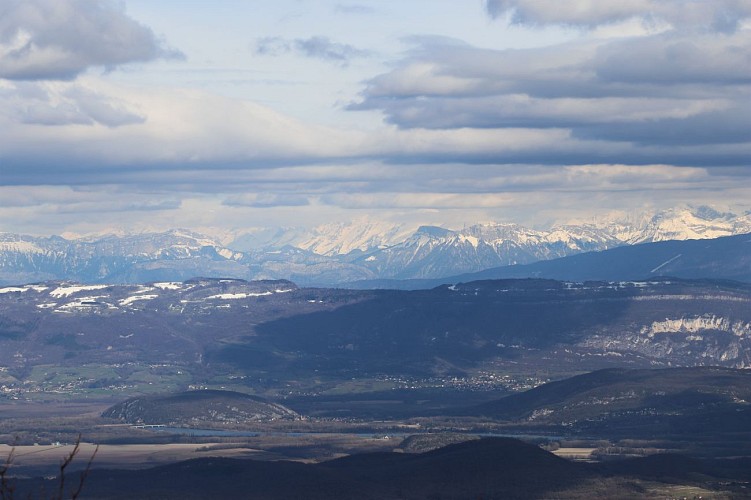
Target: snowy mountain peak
column 691, row 223
column 337, row 238
column 341, row 252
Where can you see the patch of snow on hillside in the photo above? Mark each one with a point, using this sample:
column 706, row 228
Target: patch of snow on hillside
column 228, row 254
column 235, row 296
column 168, row 285
column 64, row 291
column 83, row 304
column 230, row 296
column 11, row 289
column 130, row 300
column 472, row 240
column 197, row 239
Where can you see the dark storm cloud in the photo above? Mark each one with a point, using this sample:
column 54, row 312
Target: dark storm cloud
column 59, row 39
column 316, row 47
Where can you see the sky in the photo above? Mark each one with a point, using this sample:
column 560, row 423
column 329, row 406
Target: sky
column 223, row 116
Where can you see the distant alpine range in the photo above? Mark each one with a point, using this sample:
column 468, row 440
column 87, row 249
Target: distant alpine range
column 359, row 253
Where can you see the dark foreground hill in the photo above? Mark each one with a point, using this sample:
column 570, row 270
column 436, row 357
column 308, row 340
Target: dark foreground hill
column 198, row 408
column 486, row 468
column 671, row 402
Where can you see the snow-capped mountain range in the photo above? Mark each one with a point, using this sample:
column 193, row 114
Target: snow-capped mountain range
column 342, row 252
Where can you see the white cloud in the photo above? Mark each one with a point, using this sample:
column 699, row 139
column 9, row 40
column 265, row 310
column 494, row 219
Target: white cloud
column 645, row 102
column 665, row 89
column 315, row 47
column 59, row 39
column 177, row 127
column 267, row 200
column 715, row 15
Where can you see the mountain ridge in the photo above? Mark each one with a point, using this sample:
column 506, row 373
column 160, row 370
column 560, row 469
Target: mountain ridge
column 340, row 253
column 727, row 257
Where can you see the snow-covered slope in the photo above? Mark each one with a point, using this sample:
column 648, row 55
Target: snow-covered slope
column 690, row 224
column 684, row 223
column 434, row 252
column 178, row 254
column 362, row 235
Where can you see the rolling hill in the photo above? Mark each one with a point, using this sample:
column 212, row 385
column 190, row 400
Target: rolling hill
column 695, row 401
column 198, row 408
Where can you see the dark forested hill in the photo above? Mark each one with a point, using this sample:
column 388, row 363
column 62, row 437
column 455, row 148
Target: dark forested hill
column 62, row 338
column 198, row 408
column 697, row 401
column 485, row 468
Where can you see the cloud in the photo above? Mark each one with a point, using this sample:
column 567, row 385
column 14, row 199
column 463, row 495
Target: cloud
column 321, row 47
column 52, row 105
column 272, row 46
column 354, row 9
column 524, row 185
column 451, row 194
column 119, row 205
column 316, row 47
column 267, row 200
column 671, row 59
column 654, row 114
column 727, row 126
column 663, row 90
column 420, row 200
column 467, row 129
column 59, row 39
column 68, row 200
column 712, row 15
column 193, row 141
column 134, row 134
